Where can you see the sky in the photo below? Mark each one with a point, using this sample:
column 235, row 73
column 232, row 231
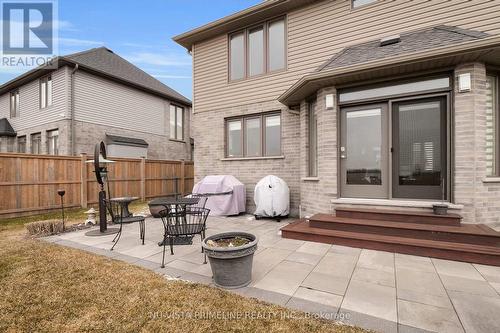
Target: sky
column 140, row 31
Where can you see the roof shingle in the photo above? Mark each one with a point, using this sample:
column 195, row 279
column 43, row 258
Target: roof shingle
column 410, row 42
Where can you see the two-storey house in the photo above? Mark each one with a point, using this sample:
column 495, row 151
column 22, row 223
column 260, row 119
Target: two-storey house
column 89, row 97
column 354, row 103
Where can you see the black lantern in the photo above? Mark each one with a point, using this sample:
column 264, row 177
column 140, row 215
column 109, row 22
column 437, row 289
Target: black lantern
column 61, row 193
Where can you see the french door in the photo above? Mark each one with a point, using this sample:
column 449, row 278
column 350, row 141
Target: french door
column 363, row 157
column 396, row 154
column 419, row 141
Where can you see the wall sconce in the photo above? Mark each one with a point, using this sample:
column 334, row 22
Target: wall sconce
column 464, row 82
column 329, row 101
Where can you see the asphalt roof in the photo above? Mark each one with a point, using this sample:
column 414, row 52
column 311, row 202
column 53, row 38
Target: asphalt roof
column 409, row 42
column 102, row 61
column 6, row 129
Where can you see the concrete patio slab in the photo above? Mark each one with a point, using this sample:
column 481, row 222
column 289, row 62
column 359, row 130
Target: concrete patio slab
column 376, row 276
column 422, row 282
column 371, row 299
column 378, row 290
column 477, row 313
column 456, row 268
column 474, row 287
column 326, row 283
column 428, row 317
column 285, row 278
column 317, row 296
column 304, row 258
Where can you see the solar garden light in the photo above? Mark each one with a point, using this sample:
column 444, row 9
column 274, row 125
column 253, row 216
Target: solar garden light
column 61, row 193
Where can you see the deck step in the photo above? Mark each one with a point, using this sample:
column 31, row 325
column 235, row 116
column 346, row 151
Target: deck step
column 398, row 216
column 467, row 233
column 481, row 254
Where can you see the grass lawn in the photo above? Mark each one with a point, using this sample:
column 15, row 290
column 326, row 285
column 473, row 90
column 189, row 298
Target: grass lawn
column 49, row 288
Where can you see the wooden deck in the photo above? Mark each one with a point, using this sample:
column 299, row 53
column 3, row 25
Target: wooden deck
column 395, row 231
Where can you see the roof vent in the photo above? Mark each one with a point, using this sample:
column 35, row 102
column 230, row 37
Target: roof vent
column 390, row 40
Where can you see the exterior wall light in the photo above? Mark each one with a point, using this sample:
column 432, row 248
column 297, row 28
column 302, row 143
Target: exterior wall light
column 329, row 101
column 464, row 82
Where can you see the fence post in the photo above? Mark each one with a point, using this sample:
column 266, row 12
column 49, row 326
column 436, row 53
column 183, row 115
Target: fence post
column 83, row 177
column 183, row 177
column 143, row 178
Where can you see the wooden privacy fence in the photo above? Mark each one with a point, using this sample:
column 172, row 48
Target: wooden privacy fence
column 29, row 183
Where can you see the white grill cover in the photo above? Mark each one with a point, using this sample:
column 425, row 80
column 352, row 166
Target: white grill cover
column 272, row 197
column 220, row 202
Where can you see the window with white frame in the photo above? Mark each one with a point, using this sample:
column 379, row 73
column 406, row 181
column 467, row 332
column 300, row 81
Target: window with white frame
column 36, row 143
column 176, row 122
column 492, row 126
column 254, row 135
column 14, row 104
column 21, row 144
column 257, row 50
column 53, row 142
column 45, row 92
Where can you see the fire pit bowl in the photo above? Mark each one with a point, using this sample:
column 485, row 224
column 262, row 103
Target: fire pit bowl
column 231, row 257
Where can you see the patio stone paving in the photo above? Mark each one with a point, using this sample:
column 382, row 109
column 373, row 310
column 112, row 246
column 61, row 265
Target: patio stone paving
column 382, row 291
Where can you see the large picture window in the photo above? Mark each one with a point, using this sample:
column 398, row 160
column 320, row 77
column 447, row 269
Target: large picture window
column 257, row 50
column 254, row 136
column 176, row 122
column 492, row 126
column 46, row 92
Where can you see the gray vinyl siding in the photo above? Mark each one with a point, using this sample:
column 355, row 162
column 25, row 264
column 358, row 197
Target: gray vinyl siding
column 318, row 31
column 104, row 102
column 30, row 115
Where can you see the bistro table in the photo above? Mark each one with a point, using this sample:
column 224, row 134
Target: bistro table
column 124, row 202
column 179, row 205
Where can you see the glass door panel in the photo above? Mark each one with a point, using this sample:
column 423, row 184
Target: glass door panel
column 419, row 149
column 363, row 152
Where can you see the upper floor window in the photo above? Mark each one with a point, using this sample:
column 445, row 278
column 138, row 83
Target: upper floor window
column 14, row 104
column 257, row 50
column 357, row 3
column 46, row 92
column 492, row 126
column 254, row 136
column 176, row 122
column 53, row 142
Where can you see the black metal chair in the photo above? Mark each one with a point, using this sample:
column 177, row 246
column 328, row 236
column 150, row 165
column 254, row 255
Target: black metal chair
column 115, row 210
column 179, row 222
column 201, row 203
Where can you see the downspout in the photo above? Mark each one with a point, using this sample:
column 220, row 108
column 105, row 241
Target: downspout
column 72, row 111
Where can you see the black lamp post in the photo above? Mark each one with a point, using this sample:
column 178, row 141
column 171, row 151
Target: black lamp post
column 61, row 193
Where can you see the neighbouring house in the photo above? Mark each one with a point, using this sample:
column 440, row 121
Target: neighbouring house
column 89, row 97
column 368, row 104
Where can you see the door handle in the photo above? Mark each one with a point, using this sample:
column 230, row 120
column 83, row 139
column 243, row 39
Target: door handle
column 342, row 153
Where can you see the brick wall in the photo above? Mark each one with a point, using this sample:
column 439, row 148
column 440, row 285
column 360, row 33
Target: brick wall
column 160, row 146
column 316, row 193
column 479, row 194
column 208, row 133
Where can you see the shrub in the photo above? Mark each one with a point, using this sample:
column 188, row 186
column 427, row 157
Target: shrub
column 44, row 228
